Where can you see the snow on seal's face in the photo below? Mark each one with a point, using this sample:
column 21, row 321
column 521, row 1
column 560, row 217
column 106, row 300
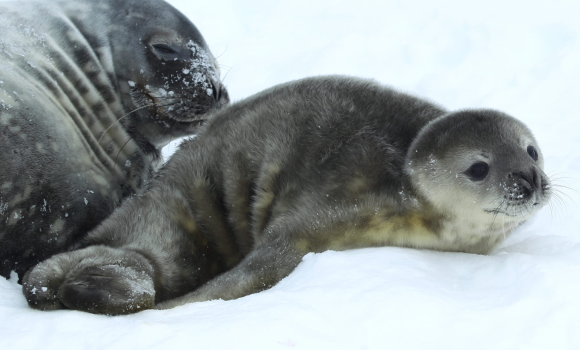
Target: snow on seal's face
column 183, row 86
column 187, row 84
column 482, row 166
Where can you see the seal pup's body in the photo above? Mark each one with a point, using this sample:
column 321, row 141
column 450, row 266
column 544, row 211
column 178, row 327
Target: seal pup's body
column 317, row 164
column 90, row 91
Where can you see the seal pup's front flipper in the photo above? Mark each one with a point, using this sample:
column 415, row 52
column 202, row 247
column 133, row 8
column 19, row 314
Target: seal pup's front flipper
column 261, row 270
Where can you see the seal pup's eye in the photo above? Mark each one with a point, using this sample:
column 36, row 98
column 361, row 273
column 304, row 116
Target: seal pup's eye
column 532, row 152
column 164, row 49
column 478, row 171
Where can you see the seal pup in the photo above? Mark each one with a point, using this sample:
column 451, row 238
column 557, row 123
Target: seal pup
column 90, row 91
column 316, row 164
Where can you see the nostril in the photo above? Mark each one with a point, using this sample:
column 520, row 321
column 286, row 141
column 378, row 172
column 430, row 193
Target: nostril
column 536, row 179
column 216, row 91
column 531, row 177
column 224, row 97
column 220, row 94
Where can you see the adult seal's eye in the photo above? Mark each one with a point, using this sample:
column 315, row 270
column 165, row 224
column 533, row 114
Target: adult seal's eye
column 532, row 152
column 478, row 171
column 164, row 50
column 171, row 52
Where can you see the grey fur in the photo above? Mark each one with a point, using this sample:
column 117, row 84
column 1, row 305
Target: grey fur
column 311, row 165
column 90, row 92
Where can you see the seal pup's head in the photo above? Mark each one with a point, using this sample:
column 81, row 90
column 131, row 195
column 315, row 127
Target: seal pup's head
column 167, row 76
column 480, row 166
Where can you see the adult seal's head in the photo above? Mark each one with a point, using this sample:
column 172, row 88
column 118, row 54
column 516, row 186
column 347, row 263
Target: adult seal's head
column 481, row 166
column 90, row 91
column 165, row 71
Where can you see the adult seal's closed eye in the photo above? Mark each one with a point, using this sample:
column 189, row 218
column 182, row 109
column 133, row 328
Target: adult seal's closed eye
column 316, row 164
column 90, row 91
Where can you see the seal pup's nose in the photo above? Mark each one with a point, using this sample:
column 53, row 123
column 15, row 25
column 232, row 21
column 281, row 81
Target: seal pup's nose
column 530, row 179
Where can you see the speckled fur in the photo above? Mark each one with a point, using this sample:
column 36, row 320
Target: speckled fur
column 316, row 164
column 78, row 131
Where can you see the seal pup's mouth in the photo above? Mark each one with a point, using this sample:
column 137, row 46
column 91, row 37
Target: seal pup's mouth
column 525, row 195
column 498, row 211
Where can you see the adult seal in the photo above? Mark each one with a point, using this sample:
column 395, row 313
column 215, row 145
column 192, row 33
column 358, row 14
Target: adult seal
column 90, row 91
column 316, row 164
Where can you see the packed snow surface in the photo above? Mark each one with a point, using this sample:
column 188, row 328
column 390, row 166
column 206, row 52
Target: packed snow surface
column 521, row 57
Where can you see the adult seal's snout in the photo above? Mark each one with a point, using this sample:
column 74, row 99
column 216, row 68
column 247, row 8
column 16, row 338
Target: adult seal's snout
column 90, row 91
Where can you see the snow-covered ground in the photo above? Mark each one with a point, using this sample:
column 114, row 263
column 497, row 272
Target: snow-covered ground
column 522, row 57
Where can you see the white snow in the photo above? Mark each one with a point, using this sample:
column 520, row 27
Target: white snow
column 521, row 57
